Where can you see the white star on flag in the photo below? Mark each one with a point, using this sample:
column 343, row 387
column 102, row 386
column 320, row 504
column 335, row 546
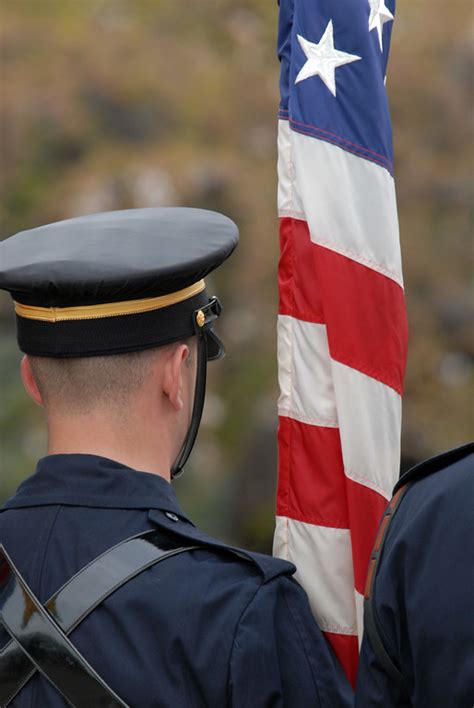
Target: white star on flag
column 379, row 15
column 323, row 59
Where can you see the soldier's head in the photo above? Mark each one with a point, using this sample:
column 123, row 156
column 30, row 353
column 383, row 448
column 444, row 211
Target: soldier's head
column 112, row 312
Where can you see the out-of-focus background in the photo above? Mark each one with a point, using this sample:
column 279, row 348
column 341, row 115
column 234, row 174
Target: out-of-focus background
column 110, row 104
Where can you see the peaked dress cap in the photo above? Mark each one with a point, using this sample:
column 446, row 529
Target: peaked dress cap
column 114, row 282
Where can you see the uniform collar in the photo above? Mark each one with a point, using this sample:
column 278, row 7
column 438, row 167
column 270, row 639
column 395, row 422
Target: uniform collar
column 93, row 481
column 90, row 480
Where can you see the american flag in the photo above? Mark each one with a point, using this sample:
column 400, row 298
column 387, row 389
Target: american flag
column 342, row 331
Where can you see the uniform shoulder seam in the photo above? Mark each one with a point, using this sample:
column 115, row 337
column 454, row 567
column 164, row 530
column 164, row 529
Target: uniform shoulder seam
column 298, row 629
column 237, row 626
column 296, row 622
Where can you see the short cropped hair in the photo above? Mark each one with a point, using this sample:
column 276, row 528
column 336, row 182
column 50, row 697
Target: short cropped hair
column 76, row 385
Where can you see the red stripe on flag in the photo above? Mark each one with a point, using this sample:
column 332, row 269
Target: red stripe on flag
column 311, row 480
column 365, row 315
column 365, row 510
column 346, row 648
column 364, row 310
column 299, row 293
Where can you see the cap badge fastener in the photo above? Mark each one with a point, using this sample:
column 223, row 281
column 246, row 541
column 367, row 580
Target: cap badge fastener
column 200, row 318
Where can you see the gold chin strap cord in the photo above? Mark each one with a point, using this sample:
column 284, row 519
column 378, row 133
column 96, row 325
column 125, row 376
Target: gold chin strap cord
column 112, row 309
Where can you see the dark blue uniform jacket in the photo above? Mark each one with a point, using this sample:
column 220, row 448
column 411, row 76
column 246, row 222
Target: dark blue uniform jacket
column 424, row 593
column 204, row 628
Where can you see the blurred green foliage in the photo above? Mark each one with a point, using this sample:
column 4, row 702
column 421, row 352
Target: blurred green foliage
column 110, row 104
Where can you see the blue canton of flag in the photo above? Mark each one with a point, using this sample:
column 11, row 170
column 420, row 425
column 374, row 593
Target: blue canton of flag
column 356, row 117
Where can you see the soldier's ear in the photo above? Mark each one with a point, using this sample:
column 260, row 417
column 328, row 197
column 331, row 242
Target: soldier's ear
column 29, row 381
column 173, row 381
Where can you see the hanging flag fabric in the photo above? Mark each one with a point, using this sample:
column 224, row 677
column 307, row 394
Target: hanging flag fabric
column 342, row 331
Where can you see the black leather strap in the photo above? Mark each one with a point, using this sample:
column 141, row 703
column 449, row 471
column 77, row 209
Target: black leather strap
column 47, row 647
column 77, row 599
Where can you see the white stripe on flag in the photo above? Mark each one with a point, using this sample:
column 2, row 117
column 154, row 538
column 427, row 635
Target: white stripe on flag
column 349, row 203
column 317, row 549
column 369, row 415
column 304, row 373
column 359, row 601
column 289, row 201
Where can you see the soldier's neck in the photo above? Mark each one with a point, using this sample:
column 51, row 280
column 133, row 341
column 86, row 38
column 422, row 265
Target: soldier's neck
column 136, row 444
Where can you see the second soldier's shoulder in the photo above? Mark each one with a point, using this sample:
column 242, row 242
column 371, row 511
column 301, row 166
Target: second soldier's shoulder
column 446, row 471
column 433, row 493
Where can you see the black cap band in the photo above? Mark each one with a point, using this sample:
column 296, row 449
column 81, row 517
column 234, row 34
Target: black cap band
column 110, row 335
